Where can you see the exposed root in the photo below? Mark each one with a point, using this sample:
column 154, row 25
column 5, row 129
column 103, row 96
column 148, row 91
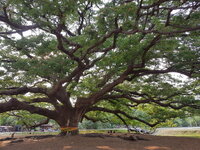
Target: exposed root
column 122, row 136
column 7, row 139
column 39, row 136
column 96, row 135
column 133, row 138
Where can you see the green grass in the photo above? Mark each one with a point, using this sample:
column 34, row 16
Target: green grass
column 194, row 134
column 28, row 133
column 182, row 133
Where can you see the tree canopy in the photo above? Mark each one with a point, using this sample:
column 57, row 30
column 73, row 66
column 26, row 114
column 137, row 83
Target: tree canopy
column 72, row 59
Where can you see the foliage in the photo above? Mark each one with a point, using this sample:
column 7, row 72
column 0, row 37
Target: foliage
column 193, row 121
column 22, row 118
column 87, row 124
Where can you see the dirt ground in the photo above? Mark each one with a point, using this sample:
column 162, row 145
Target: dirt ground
column 80, row 142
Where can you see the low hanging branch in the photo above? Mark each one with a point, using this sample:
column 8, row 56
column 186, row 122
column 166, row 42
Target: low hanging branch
column 40, row 124
column 28, row 126
column 117, row 112
column 143, row 98
column 14, row 104
column 123, row 121
column 95, row 119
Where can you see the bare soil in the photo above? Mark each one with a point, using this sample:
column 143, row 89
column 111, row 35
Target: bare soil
column 111, row 142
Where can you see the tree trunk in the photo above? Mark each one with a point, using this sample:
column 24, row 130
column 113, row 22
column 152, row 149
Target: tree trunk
column 68, row 121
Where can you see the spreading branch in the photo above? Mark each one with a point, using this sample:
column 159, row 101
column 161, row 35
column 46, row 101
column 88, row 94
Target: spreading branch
column 23, row 90
column 117, row 112
column 14, row 104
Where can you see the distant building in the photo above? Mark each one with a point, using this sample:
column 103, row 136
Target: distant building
column 6, row 129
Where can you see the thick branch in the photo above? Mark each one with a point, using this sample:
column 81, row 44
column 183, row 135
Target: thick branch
column 41, row 123
column 26, row 124
column 148, row 47
column 21, row 28
column 14, row 104
column 147, row 99
column 23, row 90
column 40, row 100
column 67, row 52
column 95, row 97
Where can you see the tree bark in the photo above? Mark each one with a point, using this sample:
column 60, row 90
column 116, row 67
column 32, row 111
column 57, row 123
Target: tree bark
column 68, row 121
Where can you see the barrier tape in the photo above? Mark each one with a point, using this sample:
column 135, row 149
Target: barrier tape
column 66, row 129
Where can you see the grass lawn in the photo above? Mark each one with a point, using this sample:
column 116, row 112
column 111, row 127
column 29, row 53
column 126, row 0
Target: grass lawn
column 194, row 134
column 181, row 133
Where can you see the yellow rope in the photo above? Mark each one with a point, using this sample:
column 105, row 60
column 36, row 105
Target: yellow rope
column 66, row 129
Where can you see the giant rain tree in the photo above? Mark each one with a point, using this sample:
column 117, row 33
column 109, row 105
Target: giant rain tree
column 71, row 59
